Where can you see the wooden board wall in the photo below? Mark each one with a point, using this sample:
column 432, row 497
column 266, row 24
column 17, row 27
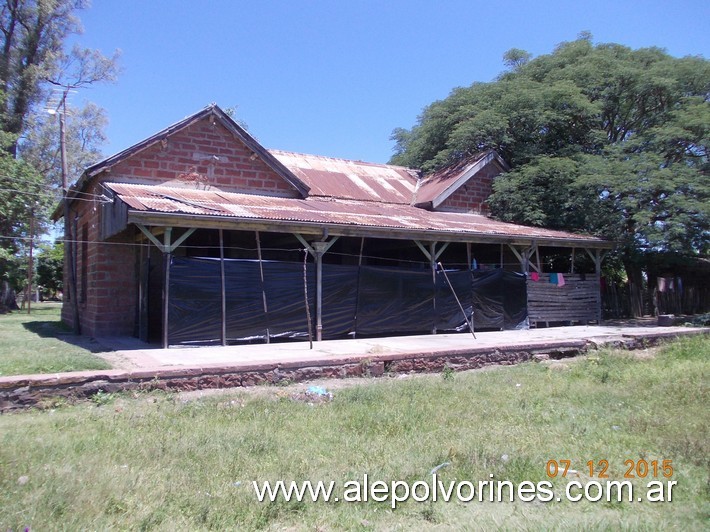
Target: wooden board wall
column 578, row 300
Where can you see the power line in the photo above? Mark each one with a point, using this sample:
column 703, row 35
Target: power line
column 254, row 249
column 78, row 192
column 100, row 198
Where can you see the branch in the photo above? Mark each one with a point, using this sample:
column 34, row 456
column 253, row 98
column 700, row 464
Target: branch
column 84, row 67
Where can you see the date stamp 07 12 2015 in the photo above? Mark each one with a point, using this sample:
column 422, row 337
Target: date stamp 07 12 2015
column 599, row 469
column 657, row 470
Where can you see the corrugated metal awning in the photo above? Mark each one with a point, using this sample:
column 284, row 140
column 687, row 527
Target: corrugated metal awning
column 187, row 206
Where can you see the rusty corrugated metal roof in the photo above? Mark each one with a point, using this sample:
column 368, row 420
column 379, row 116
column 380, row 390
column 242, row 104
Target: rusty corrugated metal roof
column 346, row 179
column 163, row 199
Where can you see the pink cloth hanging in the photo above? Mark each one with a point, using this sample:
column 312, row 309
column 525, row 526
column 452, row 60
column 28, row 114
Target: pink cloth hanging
column 535, row 276
column 560, row 279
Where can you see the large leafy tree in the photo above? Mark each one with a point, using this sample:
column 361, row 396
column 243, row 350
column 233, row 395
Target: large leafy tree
column 600, row 138
column 49, row 269
column 23, row 200
column 84, row 138
column 31, row 39
column 37, row 72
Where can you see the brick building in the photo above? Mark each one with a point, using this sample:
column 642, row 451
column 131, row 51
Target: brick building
column 203, row 193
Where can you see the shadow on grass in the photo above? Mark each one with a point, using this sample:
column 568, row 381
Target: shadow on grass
column 59, row 331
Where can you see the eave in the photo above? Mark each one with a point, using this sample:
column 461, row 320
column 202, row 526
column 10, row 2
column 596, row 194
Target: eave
column 201, row 221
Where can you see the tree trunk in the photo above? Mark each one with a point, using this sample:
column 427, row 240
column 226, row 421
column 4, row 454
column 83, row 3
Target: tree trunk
column 634, row 274
column 7, row 298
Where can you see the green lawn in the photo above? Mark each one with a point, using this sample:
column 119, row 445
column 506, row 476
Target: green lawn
column 39, row 343
column 171, row 462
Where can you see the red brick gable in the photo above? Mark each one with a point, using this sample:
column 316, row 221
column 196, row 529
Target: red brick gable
column 473, row 195
column 203, row 154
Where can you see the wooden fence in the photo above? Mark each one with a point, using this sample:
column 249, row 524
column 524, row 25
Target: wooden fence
column 578, row 300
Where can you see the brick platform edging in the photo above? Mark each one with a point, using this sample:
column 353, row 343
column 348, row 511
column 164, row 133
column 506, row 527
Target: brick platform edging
column 40, row 390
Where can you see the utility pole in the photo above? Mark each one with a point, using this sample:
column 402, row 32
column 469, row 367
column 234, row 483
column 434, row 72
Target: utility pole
column 77, row 71
column 29, row 268
column 69, row 239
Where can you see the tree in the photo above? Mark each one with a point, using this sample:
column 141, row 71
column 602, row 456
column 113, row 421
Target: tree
column 84, row 137
column 32, row 35
column 37, row 73
column 33, row 62
column 22, row 194
column 50, row 267
column 516, row 58
column 22, row 197
column 599, row 138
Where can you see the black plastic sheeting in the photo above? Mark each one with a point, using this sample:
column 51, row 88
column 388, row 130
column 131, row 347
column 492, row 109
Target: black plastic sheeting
column 357, row 300
column 448, row 312
column 195, row 309
column 499, row 300
column 394, row 301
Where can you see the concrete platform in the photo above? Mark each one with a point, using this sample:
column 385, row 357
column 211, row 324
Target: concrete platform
column 141, row 366
column 136, row 354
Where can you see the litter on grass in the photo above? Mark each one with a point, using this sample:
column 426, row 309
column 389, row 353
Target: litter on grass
column 439, row 467
column 314, row 394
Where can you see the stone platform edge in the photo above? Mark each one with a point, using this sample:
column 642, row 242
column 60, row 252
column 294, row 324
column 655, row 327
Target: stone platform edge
column 46, row 390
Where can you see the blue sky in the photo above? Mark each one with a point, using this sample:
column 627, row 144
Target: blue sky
column 336, row 77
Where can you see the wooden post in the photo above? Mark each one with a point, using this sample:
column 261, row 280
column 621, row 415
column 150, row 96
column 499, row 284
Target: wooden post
column 537, row 255
column 572, row 266
column 432, row 263
column 598, row 271
column 305, row 298
column 433, row 255
column 357, row 289
column 69, row 235
column 263, row 288
column 143, row 292
column 522, row 257
column 597, row 257
column 166, row 247
column 319, row 248
column 30, row 265
column 167, row 255
column 224, row 288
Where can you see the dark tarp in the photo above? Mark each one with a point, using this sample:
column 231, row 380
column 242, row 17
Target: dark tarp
column 394, row 300
column 283, row 282
column 361, row 300
column 195, row 310
column 340, row 288
column 246, row 319
column 448, row 312
column 515, row 301
column 499, row 300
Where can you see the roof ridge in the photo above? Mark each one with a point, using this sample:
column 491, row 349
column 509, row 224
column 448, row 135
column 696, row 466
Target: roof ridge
column 328, row 157
column 212, row 110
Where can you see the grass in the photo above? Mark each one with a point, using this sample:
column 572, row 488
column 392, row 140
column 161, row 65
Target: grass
column 174, row 462
column 39, row 343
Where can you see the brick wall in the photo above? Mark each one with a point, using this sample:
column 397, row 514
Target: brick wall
column 204, row 153
column 473, row 195
column 105, row 276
